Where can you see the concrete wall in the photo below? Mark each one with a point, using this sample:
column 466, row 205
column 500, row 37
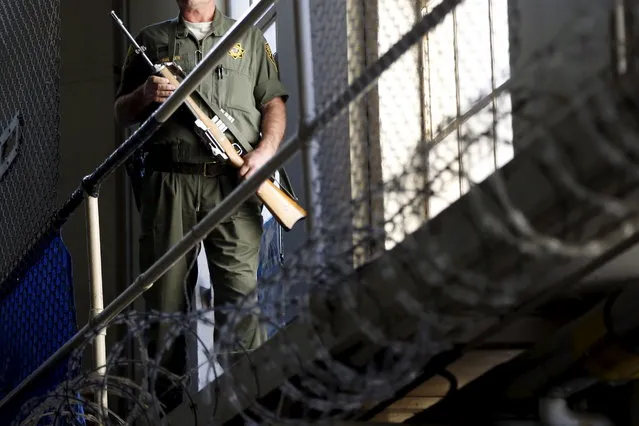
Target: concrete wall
column 555, row 47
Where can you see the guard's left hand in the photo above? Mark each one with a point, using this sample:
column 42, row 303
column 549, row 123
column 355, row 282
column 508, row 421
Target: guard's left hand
column 254, row 160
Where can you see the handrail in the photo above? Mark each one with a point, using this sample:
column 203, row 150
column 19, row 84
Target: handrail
column 90, row 185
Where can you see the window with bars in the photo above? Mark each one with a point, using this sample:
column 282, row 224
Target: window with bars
column 466, row 61
column 437, row 121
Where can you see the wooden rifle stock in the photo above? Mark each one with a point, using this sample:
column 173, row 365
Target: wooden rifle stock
column 283, row 208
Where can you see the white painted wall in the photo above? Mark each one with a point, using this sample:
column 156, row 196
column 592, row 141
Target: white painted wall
column 236, row 8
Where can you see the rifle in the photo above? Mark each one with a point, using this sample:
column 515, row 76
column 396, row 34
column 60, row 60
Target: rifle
column 283, row 208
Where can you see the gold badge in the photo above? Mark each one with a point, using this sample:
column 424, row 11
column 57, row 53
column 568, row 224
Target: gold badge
column 237, row 51
column 269, row 54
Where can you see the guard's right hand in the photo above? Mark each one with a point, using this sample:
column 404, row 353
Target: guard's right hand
column 157, row 89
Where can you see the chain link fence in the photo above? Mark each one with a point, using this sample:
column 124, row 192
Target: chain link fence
column 481, row 159
column 30, row 44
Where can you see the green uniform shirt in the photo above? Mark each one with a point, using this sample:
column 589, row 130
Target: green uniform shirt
column 240, row 84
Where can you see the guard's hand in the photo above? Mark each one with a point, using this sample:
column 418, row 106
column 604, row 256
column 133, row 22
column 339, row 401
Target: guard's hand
column 254, row 160
column 157, row 89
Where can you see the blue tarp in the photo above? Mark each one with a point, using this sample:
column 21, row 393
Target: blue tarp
column 37, row 316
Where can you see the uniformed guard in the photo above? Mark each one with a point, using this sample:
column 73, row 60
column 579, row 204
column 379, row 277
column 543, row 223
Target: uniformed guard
column 182, row 181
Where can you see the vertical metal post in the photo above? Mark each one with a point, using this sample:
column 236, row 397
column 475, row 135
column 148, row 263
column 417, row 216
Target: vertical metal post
column 620, row 37
column 304, row 47
column 97, row 298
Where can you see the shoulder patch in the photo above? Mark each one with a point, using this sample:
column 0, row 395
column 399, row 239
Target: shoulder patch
column 269, row 54
column 237, row 51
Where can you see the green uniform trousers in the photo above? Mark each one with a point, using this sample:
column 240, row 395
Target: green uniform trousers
column 172, row 203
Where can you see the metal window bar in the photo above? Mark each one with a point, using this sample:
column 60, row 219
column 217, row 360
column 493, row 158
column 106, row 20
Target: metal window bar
column 493, row 80
column 620, row 36
column 458, row 112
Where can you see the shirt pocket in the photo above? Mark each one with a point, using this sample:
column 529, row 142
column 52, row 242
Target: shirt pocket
column 234, row 87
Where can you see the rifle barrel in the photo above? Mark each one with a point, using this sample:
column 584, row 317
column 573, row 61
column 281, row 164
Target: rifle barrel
column 138, row 49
